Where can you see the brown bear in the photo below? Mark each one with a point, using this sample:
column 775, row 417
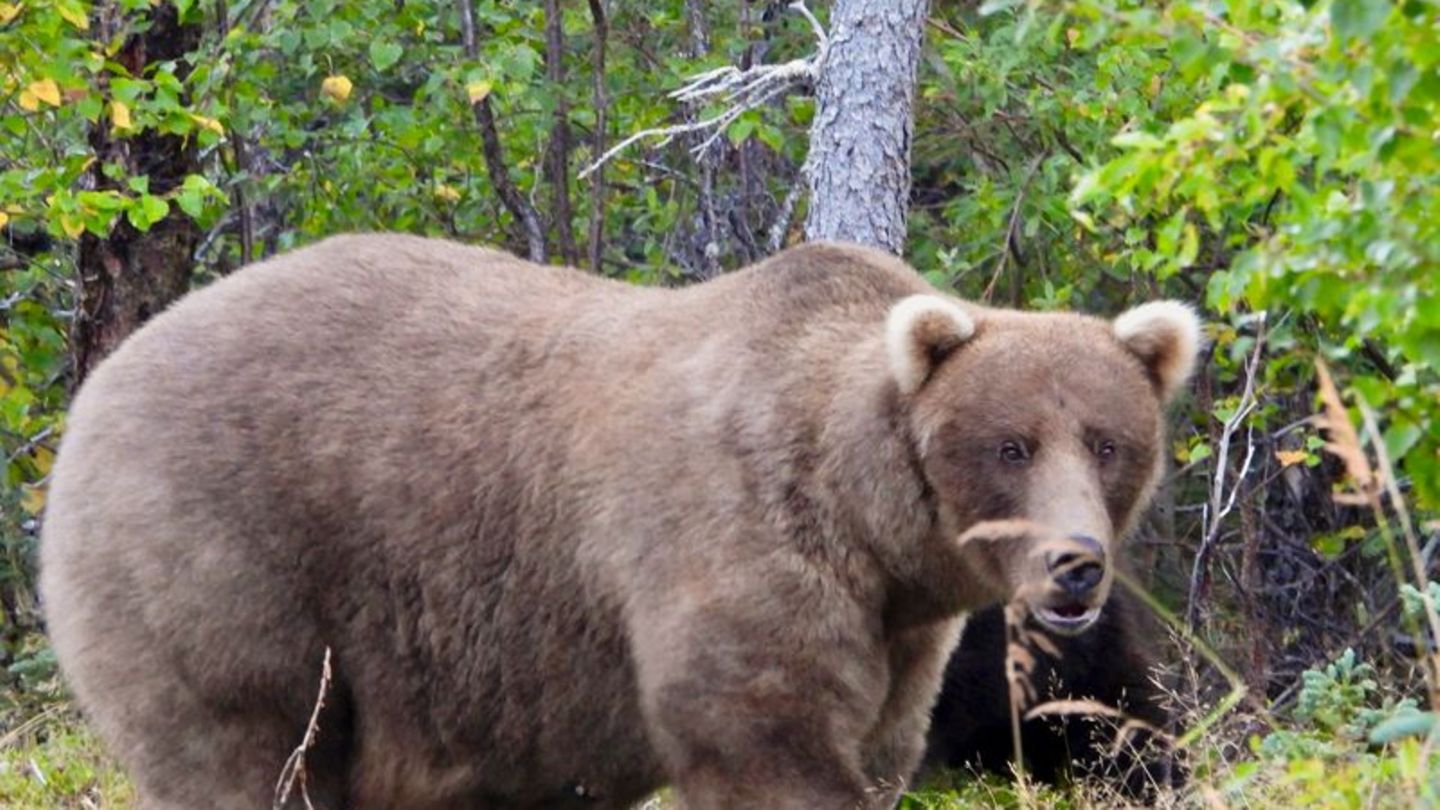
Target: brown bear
column 570, row 540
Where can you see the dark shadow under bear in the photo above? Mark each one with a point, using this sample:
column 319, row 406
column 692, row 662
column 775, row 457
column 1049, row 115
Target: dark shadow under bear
column 1111, row 663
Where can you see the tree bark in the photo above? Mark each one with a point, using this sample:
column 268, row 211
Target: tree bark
column 128, row 276
column 595, row 243
column 557, row 158
column 858, row 168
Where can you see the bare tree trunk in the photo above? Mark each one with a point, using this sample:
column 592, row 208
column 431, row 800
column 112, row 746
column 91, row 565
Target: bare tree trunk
column 128, row 276
column 859, row 163
column 557, row 158
column 595, row 243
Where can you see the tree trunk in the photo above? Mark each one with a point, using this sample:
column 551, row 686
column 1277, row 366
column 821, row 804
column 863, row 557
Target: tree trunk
column 557, row 156
column 859, row 163
column 527, row 219
column 128, row 276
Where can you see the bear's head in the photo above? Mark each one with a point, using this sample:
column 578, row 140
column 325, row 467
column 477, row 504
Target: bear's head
column 1048, row 420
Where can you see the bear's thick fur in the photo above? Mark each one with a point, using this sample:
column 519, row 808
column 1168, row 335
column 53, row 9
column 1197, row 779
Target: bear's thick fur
column 567, row 539
column 1112, row 663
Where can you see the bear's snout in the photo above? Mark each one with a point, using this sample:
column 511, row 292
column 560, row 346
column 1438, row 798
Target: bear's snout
column 1077, row 571
column 1076, row 568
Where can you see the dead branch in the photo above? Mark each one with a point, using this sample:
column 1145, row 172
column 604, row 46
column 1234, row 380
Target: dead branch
column 741, row 90
column 294, row 773
column 781, row 226
column 1220, row 505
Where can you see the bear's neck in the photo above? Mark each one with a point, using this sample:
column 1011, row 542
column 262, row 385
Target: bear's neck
column 863, row 482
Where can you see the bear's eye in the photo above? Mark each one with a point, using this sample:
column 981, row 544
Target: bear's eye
column 1104, row 449
column 1014, row 452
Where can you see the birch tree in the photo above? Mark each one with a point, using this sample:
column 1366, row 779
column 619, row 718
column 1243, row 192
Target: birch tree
column 858, row 168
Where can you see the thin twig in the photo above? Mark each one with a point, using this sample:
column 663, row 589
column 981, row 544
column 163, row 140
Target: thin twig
column 1220, row 505
column 1012, row 245
column 293, row 773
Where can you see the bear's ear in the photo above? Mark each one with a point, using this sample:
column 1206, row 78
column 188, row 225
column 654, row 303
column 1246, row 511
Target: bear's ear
column 1166, row 336
column 920, row 332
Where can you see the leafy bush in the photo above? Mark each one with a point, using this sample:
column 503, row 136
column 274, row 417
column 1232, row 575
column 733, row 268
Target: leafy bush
column 1305, row 175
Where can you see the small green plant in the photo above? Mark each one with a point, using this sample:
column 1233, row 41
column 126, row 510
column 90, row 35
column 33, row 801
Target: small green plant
column 1335, row 711
column 52, row 761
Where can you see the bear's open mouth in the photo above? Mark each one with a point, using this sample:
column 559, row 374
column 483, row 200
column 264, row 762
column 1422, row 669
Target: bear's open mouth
column 1067, row 620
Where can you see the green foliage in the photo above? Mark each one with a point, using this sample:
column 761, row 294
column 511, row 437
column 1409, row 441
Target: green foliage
column 1414, row 601
column 957, row 791
column 54, row 762
column 1328, row 755
column 1336, row 707
column 1266, row 156
column 1305, row 174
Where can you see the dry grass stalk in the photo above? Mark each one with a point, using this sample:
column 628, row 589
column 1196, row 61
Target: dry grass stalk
column 294, row 774
column 1344, row 443
column 15, row 734
column 1021, row 689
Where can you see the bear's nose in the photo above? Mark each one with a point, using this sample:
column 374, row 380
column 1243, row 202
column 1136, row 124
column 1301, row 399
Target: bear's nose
column 1078, row 572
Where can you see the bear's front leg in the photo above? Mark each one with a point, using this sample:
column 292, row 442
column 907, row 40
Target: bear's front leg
column 896, row 744
column 758, row 691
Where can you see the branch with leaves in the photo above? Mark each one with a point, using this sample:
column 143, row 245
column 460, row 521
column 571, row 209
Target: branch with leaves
column 515, row 202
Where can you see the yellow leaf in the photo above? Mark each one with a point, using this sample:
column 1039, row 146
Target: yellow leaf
column 46, row 90
column 447, row 193
column 337, row 88
column 4, row 218
column 28, row 102
column 8, row 11
column 44, row 459
column 208, row 123
column 120, row 116
column 75, row 16
column 72, row 226
column 477, row 91
column 33, row 501
column 1289, row 458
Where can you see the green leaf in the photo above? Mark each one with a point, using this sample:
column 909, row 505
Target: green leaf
column 741, row 129
column 1358, row 18
column 191, row 202
column 147, row 211
column 1408, row 722
column 385, row 54
column 1137, row 140
column 996, row 6
column 1400, row 437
